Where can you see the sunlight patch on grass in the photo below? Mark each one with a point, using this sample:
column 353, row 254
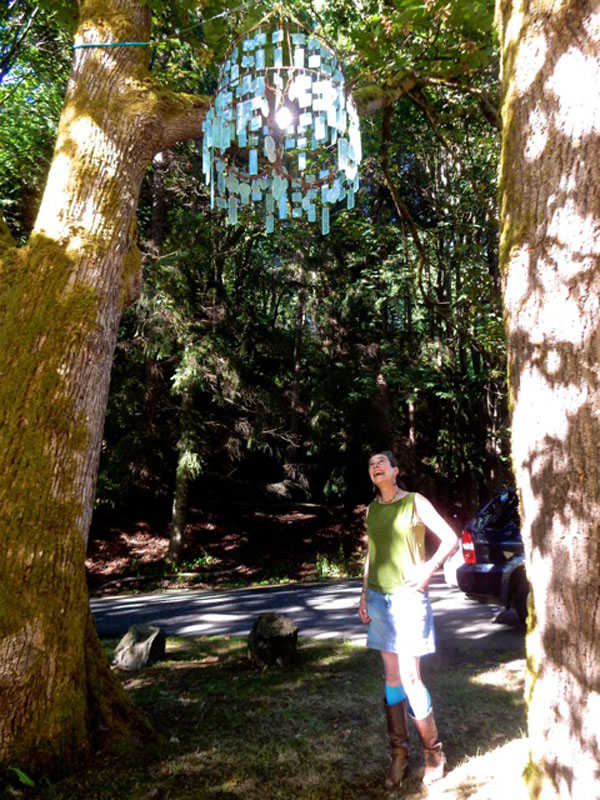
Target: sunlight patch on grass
column 315, row 731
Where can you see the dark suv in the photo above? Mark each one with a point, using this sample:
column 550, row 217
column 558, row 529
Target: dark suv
column 494, row 568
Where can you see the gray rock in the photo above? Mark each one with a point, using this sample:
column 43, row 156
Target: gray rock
column 141, row 646
column 273, row 640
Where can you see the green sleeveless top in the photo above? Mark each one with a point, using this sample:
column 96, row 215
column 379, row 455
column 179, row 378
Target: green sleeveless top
column 396, row 543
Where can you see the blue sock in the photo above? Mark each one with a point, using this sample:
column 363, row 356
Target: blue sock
column 420, row 705
column 394, row 694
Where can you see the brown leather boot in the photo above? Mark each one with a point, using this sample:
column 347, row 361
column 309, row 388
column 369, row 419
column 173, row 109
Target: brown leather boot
column 435, row 760
column 397, row 725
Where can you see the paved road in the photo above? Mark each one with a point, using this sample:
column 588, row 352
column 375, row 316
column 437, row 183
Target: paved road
column 320, row 610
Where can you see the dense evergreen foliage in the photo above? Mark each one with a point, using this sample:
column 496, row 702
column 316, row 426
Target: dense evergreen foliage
column 257, row 365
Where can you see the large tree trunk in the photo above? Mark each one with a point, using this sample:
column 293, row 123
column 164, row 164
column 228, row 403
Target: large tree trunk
column 550, row 260
column 60, row 305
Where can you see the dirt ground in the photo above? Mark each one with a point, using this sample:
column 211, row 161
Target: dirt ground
column 238, row 546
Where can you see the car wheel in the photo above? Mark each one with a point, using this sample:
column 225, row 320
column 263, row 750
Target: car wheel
column 519, row 596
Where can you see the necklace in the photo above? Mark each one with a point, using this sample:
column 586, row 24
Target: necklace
column 393, row 500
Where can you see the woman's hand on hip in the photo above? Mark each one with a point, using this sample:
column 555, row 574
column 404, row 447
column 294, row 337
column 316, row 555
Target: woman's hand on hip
column 362, row 609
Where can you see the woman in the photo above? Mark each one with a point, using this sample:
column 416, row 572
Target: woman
column 395, row 603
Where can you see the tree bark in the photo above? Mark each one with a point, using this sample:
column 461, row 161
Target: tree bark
column 550, row 262
column 61, row 300
column 179, row 513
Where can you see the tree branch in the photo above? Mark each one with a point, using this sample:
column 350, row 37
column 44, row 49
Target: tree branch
column 403, row 212
column 371, row 98
column 180, row 117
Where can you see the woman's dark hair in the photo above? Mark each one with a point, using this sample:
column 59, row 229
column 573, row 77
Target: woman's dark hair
column 392, row 459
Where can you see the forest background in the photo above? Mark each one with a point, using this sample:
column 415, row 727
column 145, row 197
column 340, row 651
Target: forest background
column 260, row 370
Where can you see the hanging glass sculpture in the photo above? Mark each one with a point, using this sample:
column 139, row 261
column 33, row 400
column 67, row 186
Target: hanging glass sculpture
column 282, row 130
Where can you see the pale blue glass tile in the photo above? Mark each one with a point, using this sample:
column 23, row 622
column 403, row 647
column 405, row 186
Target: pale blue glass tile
column 235, row 72
column 221, row 203
column 244, row 192
column 256, row 103
column 253, row 141
column 278, row 58
column 301, row 161
column 283, row 207
column 231, row 183
column 331, row 116
column 334, row 193
column 212, row 195
column 298, row 38
column 260, row 59
column 232, row 215
column 243, row 138
column 221, row 183
column 248, row 44
column 259, row 85
column 305, row 100
column 239, row 90
column 314, row 61
column 297, row 211
column 313, row 43
column 311, row 213
column 325, row 220
column 324, row 192
column 355, row 184
column 220, row 165
column 270, row 150
column 278, row 187
column 256, row 123
column 252, row 162
column 299, row 57
column 305, row 119
column 261, row 38
column 278, row 81
column 344, row 152
column 302, row 140
column 296, row 197
column 290, row 143
column 269, row 223
column 320, row 129
column 333, row 135
column 234, row 54
column 350, row 199
column 277, row 36
column 269, row 203
column 256, row 192
column 324, row 173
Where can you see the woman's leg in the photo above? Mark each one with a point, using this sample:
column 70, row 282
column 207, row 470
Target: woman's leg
column 409, row 673
column 395, row 708
column 422, row 716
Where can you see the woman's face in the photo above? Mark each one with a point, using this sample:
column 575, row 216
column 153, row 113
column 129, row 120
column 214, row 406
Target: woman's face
column 381, row 471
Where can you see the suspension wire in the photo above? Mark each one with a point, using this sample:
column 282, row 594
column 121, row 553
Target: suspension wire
column 157, row 42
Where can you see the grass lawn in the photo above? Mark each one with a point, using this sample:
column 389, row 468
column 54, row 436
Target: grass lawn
column 314, row 731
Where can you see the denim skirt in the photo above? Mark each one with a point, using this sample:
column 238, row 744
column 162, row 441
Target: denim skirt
column 401, row 622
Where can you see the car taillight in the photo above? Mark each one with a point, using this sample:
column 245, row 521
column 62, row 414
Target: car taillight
column 468, row 548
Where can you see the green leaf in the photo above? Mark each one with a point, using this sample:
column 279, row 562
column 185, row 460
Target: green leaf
column 23, row 777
